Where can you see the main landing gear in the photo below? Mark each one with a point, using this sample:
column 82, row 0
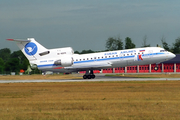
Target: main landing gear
column 89, row 75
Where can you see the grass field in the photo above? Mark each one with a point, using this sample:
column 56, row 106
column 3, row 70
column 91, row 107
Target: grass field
column 91, row 100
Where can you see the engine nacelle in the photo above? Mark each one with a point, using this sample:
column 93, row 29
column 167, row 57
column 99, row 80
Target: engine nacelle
column 64, row 61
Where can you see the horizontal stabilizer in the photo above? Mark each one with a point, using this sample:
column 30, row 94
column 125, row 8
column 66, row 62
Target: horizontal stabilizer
column 19, row 40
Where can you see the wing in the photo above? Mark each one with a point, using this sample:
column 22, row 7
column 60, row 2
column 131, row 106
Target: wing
column 90, row 66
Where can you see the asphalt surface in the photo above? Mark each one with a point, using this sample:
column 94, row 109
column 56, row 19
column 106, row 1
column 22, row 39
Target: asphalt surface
column 99, row 77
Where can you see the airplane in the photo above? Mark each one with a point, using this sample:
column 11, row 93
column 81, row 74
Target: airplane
column 63, row 60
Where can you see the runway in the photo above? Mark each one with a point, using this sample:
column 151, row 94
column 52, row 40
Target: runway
column 98, row 78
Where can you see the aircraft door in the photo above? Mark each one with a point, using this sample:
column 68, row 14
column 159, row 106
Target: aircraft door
column 121, row 56
column 150, row 54
column 122, row 60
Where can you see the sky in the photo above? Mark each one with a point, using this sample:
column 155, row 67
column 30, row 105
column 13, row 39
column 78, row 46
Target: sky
column 87, row 24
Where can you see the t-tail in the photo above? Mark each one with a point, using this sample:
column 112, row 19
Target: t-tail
column 31, row 48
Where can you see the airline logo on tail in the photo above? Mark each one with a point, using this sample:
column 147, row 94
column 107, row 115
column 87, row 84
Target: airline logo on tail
column 30, row 48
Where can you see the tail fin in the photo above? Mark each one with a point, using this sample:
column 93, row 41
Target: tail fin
column 30, row 48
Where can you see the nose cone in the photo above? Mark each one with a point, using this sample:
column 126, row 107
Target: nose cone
column 171, row 55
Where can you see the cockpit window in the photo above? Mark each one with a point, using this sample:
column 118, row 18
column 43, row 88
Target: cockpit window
column 163, row 50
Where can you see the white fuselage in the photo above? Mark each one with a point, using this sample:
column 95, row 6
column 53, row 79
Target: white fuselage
column 64, row 59
column 103, row 60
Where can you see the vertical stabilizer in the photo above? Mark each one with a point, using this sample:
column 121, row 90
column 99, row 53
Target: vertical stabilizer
column 30, row 48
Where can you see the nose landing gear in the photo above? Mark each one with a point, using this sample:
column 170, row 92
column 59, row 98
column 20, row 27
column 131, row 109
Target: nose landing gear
column 89, row 75
column 156, row 67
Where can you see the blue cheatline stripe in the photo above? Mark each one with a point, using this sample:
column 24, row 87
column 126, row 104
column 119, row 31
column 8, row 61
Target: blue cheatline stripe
column 46, row 65
column 103, row 59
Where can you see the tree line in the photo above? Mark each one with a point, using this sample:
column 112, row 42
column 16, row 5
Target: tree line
column 116, row 43
column 15, row 61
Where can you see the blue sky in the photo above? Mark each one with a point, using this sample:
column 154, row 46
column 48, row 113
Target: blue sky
column 83, row 24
